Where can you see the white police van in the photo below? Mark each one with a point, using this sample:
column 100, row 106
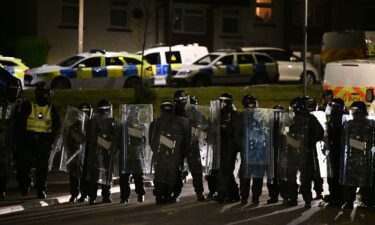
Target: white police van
column 160, row 56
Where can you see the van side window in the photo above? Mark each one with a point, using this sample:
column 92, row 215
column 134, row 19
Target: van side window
column 131, row 61
column 278, row 55
column 7, row 63
column 173, row 57
column 113, row 61
column 153, row 58
column 245, row 59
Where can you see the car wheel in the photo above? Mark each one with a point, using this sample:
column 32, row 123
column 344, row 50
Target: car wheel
column 132, row 82
column 201, row 81
column 310, row 78
column 60, row 83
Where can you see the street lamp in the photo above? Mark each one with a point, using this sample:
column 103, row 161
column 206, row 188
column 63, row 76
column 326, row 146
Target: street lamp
column 80, row 26
column 305, row 51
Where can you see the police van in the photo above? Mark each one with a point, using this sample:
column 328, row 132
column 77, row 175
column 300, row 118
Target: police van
column 94, row 69
column 161, row 56
column 350, row 79
column 347, row 45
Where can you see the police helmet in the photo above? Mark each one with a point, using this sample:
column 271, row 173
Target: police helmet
column 279, row 107
column 42, row 93
column 327, row 93
column 193, row 100
column 105, row 107
column 337, row 105
column 180, row 96
column 166, row 107
column 86, row 108
column 299, row 105
column 249, row 101
column 226, row 97
column 358, row 108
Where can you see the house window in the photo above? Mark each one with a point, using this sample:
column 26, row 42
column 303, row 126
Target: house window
column 189, row 20
column 315, row 13
column 263, row 10
column 230, row 21
column 69, row 13
column 119, row 13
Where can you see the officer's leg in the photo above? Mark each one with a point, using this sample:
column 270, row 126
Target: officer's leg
column 244, row 187
column 124, row 187
column 92, row 189
column 306, row 184
column 159, row 192
column 256, row 189
column 82, row 188
column 212, row 183
column 273, row 191
column 74, row 188
column 139, row 186
column 41, row 166
column 198, row 185
column 234, row 192
column 291, row 188
column 318, row 187
column 349, row 196
column 177, row 187
column 106, row 193
column 24, row 161
column 3, row 184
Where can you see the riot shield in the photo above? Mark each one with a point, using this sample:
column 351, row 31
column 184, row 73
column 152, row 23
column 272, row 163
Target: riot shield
column 215, row 136
column 258, row 144
column 293, row 144
column 357, row 152
column 169, row 139
column 135, row 152
column 101, row 149
column 321, row 154
column 201, row 137
column 73, row 145
column 6, row 139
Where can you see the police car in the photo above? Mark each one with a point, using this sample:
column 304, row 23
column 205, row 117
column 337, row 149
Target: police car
column 15, row 66
column 161, row 56
column 94, row 69
column 227, row 67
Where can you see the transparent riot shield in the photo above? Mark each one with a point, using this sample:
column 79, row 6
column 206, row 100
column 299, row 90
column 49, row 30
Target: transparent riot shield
column 258, row 144
column 74, row 142
column 293, row 144
column 135, row 152
column 101, row 149
column 357, row 152
column 321, row 154
column 169, row 139
column 214, row 134
column 201, row 137
column 6, row 139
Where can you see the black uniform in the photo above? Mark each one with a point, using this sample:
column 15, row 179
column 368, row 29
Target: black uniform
column 334, row 132
column 227, row 187
column 38, row 142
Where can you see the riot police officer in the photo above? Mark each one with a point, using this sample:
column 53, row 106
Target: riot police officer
column 75, row 145
column 356, row 152
column 41, row 123
column 181, row 99
column 10, row 91
column 227, row 188
column 273, row 184
column 101, row 152
column 249, row 101
column 334, row 128
column 169, row 138
column 309, row 157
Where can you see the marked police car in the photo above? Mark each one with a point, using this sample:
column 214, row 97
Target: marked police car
column 228, row 67
column 160, row 56
column 15, row 66
column 95, row 69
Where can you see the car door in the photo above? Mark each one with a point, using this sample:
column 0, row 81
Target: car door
column 115, row 71
column 290, row 66
column 225, row 70
column 90, row 73
column 246, row 67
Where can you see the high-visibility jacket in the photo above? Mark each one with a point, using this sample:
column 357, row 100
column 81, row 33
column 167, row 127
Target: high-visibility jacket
column 40, row 119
